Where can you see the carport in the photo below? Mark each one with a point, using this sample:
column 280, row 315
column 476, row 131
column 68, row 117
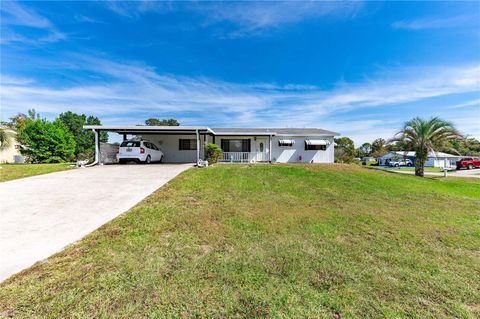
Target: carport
column 172, row 134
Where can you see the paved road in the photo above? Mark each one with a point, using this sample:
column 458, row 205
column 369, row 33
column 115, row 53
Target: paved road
column 40, row 215
column 474, row 173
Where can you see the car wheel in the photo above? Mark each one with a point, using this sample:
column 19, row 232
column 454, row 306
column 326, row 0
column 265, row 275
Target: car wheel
column 148, row 160
column 470, row 166
column 396, row 165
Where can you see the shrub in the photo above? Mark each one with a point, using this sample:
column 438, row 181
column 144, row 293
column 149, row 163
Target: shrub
column 212, row 153
column 46, row 142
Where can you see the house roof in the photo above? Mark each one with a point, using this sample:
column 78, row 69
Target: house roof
column 216, row 131
column 276, row 131
column 8, row 129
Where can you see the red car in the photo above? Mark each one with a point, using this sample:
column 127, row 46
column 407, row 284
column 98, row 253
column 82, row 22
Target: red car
column 468, row 163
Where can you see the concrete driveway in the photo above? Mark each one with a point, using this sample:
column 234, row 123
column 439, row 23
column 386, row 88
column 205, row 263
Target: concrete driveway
column 40, row 215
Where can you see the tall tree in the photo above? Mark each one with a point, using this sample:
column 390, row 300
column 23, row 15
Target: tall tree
column 468, row 146
column 379, row 147
column 424, row 136
column 365, row 150
column 344, row 150
column 84, row 140
column 164, row 122
column 20, row 120
column 47, row 142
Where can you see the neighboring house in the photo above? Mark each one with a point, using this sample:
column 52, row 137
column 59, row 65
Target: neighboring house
column 435, row 159
column 8, row 154
column 184, row 144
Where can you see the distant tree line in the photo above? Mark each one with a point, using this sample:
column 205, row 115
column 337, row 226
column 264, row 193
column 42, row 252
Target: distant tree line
column 345, row 150
column 60, row 140
column 161, row 122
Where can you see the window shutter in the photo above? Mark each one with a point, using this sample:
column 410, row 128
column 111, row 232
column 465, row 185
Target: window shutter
column 246, row 145
column 225, row 145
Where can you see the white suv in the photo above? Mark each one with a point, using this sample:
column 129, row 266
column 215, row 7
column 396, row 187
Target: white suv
column 139, row 151
column 406, row 162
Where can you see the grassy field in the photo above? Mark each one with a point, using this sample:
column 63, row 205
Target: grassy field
column 14, row 171
column 271, row 241
column 426, row 169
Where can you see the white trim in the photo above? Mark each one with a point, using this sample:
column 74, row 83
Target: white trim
column 246, row 133
column 306, row 135
column 285, row 142
column 148, row 128
column 316, row 142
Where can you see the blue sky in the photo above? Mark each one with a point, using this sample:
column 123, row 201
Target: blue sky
column 359, row 68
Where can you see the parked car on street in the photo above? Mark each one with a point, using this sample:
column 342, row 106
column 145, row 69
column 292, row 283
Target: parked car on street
column 468, row 163
column 406, row 162
column 140, row 151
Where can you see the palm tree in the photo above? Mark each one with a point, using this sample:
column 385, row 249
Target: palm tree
column 5, row 139
column 423, row 136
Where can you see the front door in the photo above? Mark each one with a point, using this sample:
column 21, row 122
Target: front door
column 261, row 149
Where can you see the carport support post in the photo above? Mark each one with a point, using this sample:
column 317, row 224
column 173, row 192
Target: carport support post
column 198, row 147
column 270, row 148
column 97, row 147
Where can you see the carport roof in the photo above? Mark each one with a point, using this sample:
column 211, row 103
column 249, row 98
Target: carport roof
column 216, row 131
column 149, row 129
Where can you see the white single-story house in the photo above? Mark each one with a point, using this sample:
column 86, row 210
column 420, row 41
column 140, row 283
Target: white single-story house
column 185, row 144
column 435, row 159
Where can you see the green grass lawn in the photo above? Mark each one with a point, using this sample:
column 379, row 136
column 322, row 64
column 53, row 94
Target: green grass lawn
column 426, row 169
column 276, row 241
column 14, row 171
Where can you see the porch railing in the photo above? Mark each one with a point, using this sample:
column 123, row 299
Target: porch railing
column 239, row 157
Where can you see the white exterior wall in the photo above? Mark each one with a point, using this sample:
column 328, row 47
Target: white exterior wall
column 8, row 154
column 440, row 162
column 431, row 161
column 169, row 144
column 297, row 152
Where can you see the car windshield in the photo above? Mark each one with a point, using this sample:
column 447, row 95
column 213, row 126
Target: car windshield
column 130, row 144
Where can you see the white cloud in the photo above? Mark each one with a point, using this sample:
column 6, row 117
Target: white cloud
column 15, row 14
column 466, row 104
column 135, row 9
column 434, row 23
column 249, row 18
column 254, row 18
column 20, row 15
column 122, row 89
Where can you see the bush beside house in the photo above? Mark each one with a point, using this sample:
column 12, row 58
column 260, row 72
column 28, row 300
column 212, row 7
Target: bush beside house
column 213, row 152
column 47, row 142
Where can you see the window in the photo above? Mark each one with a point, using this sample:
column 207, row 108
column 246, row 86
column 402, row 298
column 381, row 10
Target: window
column 187, row 145
column 130, row 144
column 315, row 147
column 236, row 145
column 286, row 143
